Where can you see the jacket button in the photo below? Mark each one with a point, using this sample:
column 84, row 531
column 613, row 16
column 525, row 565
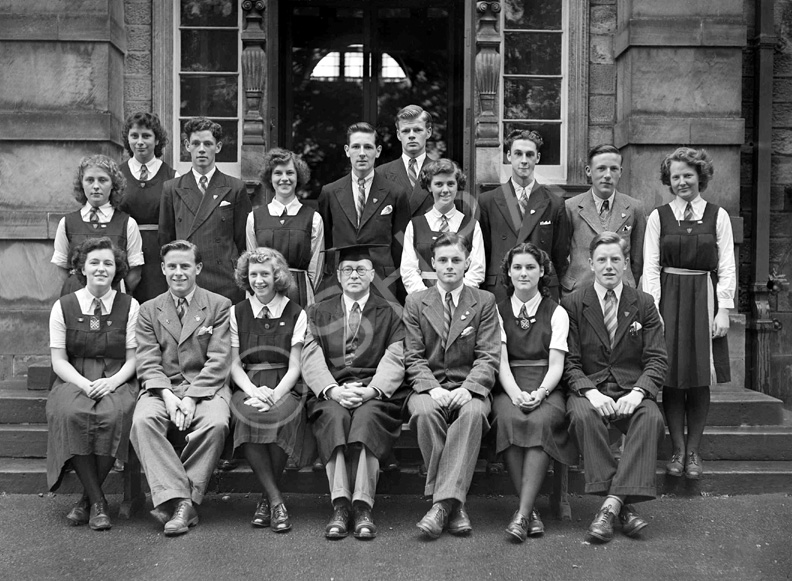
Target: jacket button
column 179, row 220
column 503, row 237
column 217, row 239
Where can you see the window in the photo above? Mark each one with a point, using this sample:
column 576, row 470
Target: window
column 348, row 66
column 535, row 78
column 208, row 82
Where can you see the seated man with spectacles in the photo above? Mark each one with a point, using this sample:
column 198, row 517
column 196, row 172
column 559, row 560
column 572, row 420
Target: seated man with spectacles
column 353, row 364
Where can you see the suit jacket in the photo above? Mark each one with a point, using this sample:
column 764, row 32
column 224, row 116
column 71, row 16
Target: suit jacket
column 420, row 200
column 214, row 222
column 382, row 338
column 627, row 218
column 191, row 359
column 545, row 224
column 638, row 358
column 385, row 216
column 471, row 355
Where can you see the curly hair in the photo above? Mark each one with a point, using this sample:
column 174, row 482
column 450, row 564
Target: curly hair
column 202, row 124
column 526, row 134
column 413, row 113
column 278, row 156
column 80, row 256
column 149, row 121
column 110, row 168
column 698, row 159
column 542, row 259
column 280, row 269
column 444, row 166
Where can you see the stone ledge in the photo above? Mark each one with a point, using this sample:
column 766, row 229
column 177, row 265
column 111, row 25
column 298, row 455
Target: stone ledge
column 669, row 32
column 675, row 130
column 59, row 126
column 77, row 26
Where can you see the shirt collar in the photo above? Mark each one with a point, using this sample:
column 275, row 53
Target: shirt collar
column 103, row 210
column 85, row 299
column 276, row 206
column 697, row 204
column 530, row 306
column 455, row 294
column 275, row 306
column 152, row 166
column 529, row 188
column 434, row 214
column 368, row 179
column 601, row 290
column 208, row 174
column 349, row 302
column 189, row 297
column 418, row 161
column 598, row 201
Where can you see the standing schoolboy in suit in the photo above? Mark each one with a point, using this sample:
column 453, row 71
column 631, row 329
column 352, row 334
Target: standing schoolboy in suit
column 365, row 208
column 452, row 351
column 208, row 208
column 183, row 362
column 615, row 366
column 601, row 209
column 523, row 210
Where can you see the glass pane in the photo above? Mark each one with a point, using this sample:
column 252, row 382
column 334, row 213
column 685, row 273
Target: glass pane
column 206, row 96
column 209, row 12
column 551, row 135
column 228, row 153
column 532, row 98
column 533, row 14
column 532, row 54
column 209, row 50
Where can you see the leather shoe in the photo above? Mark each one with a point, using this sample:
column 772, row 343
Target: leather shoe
column 364, row 522
column 318, row 465
column 459, row 521
column 279, row 517
column 518, row 527
column 693, row 466
column 226, row 465
column 99, row 520
column 184, row 517
column 79, row 514
column 338, row 526
column 161, row 513
column 262, row 516
column 601, row 528
column 675, row 467
column 535, row 524
column 434, row 521
column 631, row 523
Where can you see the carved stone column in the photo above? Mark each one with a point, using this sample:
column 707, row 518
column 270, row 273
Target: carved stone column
column 254, row 78
column 487, row 90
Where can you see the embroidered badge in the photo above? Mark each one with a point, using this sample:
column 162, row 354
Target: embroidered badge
column 94, row 324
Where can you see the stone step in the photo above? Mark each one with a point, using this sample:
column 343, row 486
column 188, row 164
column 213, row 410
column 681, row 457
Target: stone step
column 28, row 476
column 730, row 406
column 13, row 384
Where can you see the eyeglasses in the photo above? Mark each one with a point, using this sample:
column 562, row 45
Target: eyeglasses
column 360, row 270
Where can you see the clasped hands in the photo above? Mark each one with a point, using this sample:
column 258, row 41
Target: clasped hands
column 181, row 411
column 614, row 410
column 262, row 398
column 529, row 401
column 450, row 399
column 351, row 395
column 99, row 388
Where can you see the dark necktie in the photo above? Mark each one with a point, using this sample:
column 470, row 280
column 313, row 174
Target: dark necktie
column 144, row 173
column 264, row 313
column 604, row 211
column 353, row 325
column 525, row 322
column 95, row 322
column 610, row 314
column 360, row 199
column 688, row 217
column 93, row 217
column 412, row 171
column 448, row 312
column 444, row 223
column 202, row 184
column 181, row 308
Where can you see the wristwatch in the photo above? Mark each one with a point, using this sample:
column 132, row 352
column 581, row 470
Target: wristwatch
column 547, row 392
column 642, row 390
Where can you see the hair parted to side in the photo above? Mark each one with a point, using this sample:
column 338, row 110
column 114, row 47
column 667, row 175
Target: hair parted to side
column 79, row 257
column 107, row 165
column 362, row 127
column 203, row 124
column 608, row 238
column 280, row 269
column 279, row 156
column 525, row 134
column 698, row 159
column 542, row 259
column 180, row 245
column 452, row 239
column 413, row 113
column 601, row 149
column 149, row 121
column 442, row 166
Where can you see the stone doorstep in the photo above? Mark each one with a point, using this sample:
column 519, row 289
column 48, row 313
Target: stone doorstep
column 28, row 476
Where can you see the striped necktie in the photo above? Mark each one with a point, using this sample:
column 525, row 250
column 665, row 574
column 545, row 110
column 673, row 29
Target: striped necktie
column 688, row 217
column 448, row 313
column 360, row 199
column 202, row 184
column 353, row 326
column 444, row 223
column 604, row 211
column 610, row 315
column 144, row 173
column 93, row 217
column 264, row 313
column 412, row 172
column 522, row 198
column 181, row 307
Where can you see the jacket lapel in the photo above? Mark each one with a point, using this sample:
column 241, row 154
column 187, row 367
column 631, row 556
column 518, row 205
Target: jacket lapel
column 506, row 202
column 628, row 307
column 215, row 192
column 620, row 214
column 537, row 202
column 167, row 317
column 593, row 313
column 195, row 315
column 376, row 200
column 587, row 211
column 433, row 311
column 464, row 313
column 345, row 199
column 188, row 191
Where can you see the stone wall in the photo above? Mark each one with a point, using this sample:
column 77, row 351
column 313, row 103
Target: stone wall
column 137, row 63
column 602, row 71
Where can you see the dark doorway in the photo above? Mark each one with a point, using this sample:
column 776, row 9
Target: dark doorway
column 341, row 62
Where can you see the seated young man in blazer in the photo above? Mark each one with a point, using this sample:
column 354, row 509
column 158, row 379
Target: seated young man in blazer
column 183, row 362
column 353, row 363
column 452, row 351
column 615, row 366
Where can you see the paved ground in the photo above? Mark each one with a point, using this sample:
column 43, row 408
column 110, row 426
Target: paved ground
column 737, row 538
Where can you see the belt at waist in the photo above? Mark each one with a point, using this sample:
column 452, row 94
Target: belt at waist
column 529, row 362
column 428, row 275
column 265, row 366
column 687, row 271
column 148, row 227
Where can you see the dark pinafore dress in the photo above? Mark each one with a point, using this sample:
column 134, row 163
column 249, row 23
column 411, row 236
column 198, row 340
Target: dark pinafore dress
column 529, row 351
column 291, row 236
column 688, row 302
column 78, row 231
column 77, row 424
column 424, row 236
column 264, row 347
column 142, row 202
